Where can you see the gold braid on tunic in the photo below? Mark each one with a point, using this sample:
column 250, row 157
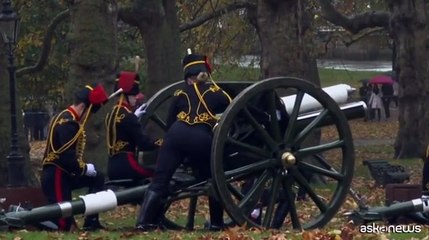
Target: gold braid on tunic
column 79, row 139
column 205, row 116
column 114, row 145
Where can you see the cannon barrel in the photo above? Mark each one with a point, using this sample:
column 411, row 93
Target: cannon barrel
column 351, row 110
column 407, row 208
column 339, row 93
column 87, row 205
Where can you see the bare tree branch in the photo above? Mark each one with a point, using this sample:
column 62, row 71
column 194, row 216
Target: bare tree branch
column 204, row 18
column 46, row 47
column 356, row 23
column 357, row 37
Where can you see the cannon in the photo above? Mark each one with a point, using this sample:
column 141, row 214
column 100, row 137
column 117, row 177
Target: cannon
column 264, row 155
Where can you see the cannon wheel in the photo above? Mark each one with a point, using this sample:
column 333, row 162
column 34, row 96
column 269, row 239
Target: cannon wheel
column 157, row 108
column 270, row 154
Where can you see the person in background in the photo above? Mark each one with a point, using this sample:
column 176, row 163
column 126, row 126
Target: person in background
column 190, row 122
column 364, row 94
column 386, row 97
column 395, row 93
column 124, row 132
column 63, row 168
column 375, row 103
column 364, row 91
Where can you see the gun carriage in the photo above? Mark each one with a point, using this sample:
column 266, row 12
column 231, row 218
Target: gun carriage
column 266, row 155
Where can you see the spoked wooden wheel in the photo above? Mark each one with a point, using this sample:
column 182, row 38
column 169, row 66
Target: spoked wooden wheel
column 264, row 158
column 184, row 211
column 154, row 120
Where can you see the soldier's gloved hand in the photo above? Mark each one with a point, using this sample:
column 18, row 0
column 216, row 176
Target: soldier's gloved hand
column 90, row 170
column 141, row 110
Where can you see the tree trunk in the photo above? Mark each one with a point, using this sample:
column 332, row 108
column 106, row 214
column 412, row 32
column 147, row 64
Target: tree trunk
column 283, row 29
column 93, row 52
column 286, row 40
column 161, row 38
column 408, row 28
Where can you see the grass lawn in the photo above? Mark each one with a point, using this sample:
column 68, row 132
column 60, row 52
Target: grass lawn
column 120, row 221
column 328, row 77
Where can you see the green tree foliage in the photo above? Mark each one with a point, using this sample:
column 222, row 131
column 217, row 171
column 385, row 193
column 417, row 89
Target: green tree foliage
column 226, row 39
column 43, row 86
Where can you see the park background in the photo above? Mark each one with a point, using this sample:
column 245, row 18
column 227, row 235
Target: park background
column 52, row 83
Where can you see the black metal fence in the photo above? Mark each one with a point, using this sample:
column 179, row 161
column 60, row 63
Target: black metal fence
column 36, row 124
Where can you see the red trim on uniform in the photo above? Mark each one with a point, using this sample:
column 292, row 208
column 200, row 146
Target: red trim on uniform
column 135, row 165
column 125, row 105
column 74, row 113
column 59, row 195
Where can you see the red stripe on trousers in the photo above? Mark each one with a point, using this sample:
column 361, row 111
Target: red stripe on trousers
column 59, row 195
column 135, row 165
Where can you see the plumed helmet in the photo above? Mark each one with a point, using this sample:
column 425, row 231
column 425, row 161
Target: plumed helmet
column 92, row 94
column 193, row 64
column 129, row 82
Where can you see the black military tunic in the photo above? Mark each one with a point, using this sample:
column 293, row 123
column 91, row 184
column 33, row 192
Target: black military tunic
column 190, row 120
column 63, row 167
column 124, row 139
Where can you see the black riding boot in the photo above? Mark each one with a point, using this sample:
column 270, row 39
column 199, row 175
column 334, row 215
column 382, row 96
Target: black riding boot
column 92, row 223
column 216, row 215
column 150, row 210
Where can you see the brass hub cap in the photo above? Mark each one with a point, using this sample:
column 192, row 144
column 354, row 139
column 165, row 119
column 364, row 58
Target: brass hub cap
column 288, row 159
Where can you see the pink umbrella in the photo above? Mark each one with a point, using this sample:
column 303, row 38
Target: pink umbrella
column 381, row 79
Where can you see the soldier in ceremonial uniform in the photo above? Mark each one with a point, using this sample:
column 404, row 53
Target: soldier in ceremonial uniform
column 124, row 135
column 63, row 167
column 191, row 119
